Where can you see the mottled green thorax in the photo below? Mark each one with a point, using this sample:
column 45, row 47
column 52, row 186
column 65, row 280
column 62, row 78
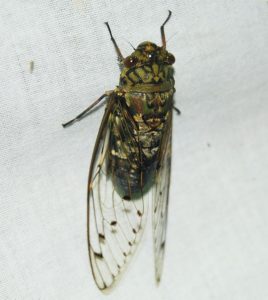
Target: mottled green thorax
column 146, row 87
column 148, row 69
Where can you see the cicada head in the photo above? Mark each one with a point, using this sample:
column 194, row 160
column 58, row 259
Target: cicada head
column 148, row 64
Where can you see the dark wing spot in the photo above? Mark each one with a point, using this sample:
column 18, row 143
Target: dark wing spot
column 127, row 197
column 113, row 223
column 139, row 213
column 99, row 255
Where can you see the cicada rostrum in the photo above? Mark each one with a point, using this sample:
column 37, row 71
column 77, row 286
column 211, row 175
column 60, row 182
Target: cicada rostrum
column 131, row 161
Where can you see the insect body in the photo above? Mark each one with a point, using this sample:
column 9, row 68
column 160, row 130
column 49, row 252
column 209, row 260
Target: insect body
column 131, row 161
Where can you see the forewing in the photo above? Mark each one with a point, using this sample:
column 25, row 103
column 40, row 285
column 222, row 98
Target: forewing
column 115, row 225
column 161, row 197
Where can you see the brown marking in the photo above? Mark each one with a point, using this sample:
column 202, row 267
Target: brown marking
column 137, row 104
column 98, row 255
column 101, row 236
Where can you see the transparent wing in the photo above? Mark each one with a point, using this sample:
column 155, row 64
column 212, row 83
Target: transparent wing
column 115, row 225
column 161, row 198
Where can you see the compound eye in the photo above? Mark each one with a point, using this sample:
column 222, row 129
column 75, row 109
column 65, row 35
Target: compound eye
column 170, row 59
column 123, row 81
column 130, row 61
column 151, row 56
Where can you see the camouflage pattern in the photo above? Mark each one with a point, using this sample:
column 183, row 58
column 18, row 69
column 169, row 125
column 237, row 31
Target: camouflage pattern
column 145, row 97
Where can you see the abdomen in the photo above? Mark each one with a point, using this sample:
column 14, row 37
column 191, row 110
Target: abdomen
column 135, row 138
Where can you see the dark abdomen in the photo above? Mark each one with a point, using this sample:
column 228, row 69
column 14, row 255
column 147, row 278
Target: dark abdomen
column 134, row 145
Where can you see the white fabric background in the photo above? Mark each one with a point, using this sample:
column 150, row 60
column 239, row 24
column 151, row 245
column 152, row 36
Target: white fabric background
column 218, row 238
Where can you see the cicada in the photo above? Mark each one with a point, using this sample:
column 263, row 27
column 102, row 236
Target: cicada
column 131, row 161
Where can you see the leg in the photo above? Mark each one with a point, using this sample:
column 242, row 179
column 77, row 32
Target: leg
column 83, row 113
column 162, row 30
column 177, row 110
column 119, row 54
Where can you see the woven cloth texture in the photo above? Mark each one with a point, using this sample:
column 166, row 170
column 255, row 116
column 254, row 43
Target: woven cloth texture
column 56, row 58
